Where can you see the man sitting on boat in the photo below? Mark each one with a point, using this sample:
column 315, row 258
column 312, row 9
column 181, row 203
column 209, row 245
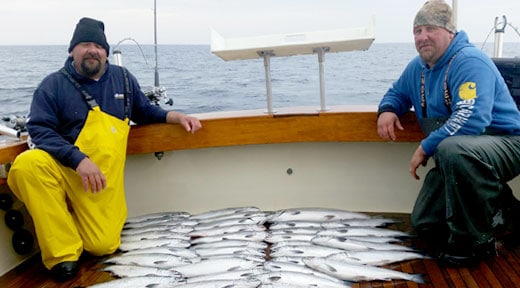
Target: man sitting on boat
column 72, row 181
column 472, row 125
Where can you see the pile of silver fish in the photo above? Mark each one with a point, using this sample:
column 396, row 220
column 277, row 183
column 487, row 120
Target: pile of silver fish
column 247, row 247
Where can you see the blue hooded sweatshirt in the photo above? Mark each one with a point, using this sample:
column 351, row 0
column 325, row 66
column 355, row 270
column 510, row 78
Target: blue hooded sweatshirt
column 480, row 100
column 58, row 110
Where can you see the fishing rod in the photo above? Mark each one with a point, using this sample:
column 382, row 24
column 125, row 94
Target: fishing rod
column 157, row 93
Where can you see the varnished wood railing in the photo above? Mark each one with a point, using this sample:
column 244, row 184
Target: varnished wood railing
column 253, row 128
column 266, row 129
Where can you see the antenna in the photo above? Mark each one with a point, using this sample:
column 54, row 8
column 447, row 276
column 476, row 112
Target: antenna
column 156, row 83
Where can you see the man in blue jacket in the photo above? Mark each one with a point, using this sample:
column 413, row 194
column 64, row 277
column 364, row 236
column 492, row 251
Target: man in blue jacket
column 72, row 180
column 472, row 125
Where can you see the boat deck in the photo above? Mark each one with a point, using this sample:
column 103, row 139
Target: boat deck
column 501, row 271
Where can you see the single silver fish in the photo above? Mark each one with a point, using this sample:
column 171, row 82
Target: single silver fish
column 376, row 258
column 299, row 230
column 158, row 215
column 370, row 222
column 228, row 275
column 358, row 272
column 136, row 282
column 172, row 243
column 137, row 271
column 288, row 237
column 225, row 211
column 363, row 231
column 216, row 265
column 251, row 236
column 206, row 252
column 273, row 266
column 314, row 214
column 374, row 239
column 237, row 283
column 277, row 245
column 231, row 222
column 154, row 222
column 290, row 277
column 284, row 285
column 289, row 259
column 172, row 228
column 230, row 243
column 154, row 235
column 346, row 243
column 295, row 224
column 234, row 216
column 227, row 229
column 163, row 261
column 182, row 252
column 304, row 251
column 243, row 255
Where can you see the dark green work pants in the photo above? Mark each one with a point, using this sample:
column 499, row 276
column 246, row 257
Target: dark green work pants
column 466, row 192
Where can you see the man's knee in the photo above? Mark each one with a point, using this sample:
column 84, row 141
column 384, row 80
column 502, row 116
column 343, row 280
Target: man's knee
column 449, row 148
column 100, row 247
column 30, row 163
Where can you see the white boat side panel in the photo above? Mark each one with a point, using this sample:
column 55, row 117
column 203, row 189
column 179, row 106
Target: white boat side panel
column 293, row 44
column 352, row 176
column 369, row 177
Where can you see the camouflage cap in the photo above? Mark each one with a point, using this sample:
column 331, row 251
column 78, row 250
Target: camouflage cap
column 435, row 13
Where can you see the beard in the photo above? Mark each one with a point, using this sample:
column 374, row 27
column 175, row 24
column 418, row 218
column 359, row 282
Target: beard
column 427, row 56
column 88, row 69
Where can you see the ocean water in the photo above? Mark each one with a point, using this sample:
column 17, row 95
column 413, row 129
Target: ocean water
column 199, row 81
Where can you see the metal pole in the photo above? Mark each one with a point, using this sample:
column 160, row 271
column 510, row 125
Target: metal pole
column 321, row 59
column 155, row 43
column 499, row 37
column 267, row 65
column 454, row 9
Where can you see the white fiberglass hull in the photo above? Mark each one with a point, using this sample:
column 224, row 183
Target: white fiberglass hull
column 352, row 176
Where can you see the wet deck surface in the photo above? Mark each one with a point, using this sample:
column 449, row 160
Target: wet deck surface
column 500, row 271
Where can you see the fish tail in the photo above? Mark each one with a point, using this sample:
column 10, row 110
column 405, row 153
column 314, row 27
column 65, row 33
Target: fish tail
column 417, row 278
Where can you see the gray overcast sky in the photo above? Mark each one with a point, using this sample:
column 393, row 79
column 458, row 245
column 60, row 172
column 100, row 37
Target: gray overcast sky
column 30, row 22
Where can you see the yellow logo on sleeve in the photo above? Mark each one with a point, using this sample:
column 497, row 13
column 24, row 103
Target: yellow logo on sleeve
column 468, row 90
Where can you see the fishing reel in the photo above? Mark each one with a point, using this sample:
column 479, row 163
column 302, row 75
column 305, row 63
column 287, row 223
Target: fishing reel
column 13, row 126
column 15, row 122
column 157, row 94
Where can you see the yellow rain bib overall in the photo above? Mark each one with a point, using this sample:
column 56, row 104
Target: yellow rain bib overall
column 66, row 218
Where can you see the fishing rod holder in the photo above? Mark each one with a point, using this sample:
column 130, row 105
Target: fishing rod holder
column 500, row 29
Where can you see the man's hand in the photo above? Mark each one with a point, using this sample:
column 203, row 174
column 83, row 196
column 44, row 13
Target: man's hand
column 190, row 123
column 91, row 175
column 386, row 123
column 418, row 158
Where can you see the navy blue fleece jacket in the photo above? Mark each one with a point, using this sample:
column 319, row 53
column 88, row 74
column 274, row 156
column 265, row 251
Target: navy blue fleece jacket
column 58, row 110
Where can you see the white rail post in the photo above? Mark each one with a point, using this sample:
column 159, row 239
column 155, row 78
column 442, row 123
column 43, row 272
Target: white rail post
column 267, row 65
column 321, row 59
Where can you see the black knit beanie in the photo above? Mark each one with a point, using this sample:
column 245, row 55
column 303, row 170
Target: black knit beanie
column 89, row 30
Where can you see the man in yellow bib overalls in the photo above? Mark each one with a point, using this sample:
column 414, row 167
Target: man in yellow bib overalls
column 71, row 181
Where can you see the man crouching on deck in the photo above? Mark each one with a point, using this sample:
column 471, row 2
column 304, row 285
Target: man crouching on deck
column 72, row 181
column 472, row 126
